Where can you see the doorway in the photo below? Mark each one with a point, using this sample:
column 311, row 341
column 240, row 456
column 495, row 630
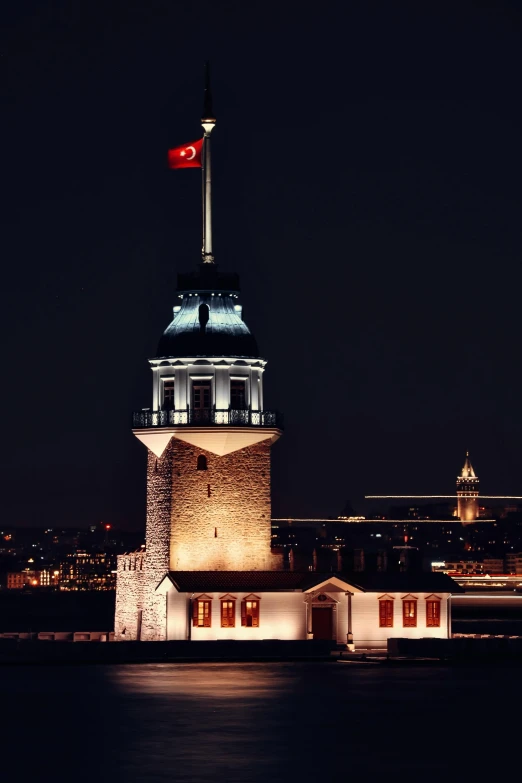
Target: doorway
column 201, row 401
column 322, row 622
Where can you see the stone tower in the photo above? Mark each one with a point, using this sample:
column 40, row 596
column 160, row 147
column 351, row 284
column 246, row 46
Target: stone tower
column 208, row 439
column 467, row 493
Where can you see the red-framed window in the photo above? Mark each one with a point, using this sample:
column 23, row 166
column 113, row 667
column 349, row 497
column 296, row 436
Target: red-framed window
column 409, row 612
column 202, row 613
column 228, row 613
column 385, row 613
column 250, row 611
column 432, row 613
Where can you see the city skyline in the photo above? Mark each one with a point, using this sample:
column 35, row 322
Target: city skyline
column 371, row 209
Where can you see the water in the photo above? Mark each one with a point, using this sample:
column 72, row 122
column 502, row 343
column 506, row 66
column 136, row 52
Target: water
column 258, row 722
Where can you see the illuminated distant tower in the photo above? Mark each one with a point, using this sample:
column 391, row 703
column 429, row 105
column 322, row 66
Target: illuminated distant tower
column 467, row 493
column 208, row 440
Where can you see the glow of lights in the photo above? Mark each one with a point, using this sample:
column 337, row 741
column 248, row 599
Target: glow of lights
column 428, row 497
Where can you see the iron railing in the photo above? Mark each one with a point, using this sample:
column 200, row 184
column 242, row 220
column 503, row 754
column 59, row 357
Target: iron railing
column 192, row 418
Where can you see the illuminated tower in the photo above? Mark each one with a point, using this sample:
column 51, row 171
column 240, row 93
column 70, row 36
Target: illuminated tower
column 467, row 493
column 208, row 440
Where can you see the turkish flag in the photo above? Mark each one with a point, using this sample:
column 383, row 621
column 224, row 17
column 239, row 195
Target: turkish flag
column 186, row 157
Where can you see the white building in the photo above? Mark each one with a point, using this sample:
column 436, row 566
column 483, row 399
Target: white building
column 362, row 612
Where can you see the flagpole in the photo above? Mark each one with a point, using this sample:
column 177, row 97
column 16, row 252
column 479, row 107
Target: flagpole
column 208, row 121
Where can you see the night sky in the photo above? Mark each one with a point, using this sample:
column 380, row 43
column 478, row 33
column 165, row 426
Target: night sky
column 367, row 173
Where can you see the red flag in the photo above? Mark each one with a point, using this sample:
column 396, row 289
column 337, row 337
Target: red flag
column 186, row 157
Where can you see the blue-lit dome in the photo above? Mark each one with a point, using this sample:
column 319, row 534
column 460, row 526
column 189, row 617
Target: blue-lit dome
column 207, row 321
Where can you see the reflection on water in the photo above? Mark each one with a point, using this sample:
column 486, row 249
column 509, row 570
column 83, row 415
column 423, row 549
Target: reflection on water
column 258, row 722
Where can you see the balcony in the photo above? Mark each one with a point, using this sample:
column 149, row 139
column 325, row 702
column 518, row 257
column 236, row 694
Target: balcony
column 146, row 419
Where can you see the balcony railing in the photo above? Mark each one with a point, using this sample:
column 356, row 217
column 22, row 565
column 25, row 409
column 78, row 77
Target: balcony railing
column 193, row 418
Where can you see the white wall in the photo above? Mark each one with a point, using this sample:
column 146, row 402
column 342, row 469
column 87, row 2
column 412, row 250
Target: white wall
column 177, row 615
column 281, row 616
column 365, row 619
column 185, row 369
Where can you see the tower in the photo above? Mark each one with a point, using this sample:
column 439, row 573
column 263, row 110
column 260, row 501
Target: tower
column 208, row 439
column 467, row 493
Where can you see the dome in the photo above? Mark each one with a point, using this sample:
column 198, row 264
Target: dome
column 207, row 324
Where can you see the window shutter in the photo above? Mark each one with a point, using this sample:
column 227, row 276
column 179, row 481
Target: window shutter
column 409, row 614
column 207, row 615
column 195, row 613
column 433, row 614
column 386, row 613
column 243, row 613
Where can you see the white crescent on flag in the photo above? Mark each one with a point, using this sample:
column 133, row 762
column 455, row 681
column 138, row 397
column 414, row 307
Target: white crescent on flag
column 193, row 152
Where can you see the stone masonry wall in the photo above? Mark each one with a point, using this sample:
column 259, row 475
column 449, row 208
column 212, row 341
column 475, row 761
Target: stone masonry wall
column 214, row 519
column 159, row 500
column 221, row 516
column 130, row 577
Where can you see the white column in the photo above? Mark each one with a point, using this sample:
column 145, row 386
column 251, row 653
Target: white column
column 309, row 634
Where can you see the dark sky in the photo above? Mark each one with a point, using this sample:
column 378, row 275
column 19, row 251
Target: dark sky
column 367, row 172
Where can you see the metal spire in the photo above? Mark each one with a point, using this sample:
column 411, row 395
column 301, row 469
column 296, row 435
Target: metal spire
column 208, row 121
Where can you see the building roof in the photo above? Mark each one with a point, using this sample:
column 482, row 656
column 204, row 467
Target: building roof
column 208, row 318
column 272, row 581
column 467, row 470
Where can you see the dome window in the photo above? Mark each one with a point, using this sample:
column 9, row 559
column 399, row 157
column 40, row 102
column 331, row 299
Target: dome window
column 202, row 462
column 204, row 314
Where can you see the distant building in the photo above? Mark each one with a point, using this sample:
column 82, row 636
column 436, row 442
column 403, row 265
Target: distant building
column 467, row 493
column 88, row 571
column 17, row 580
column 493, row 565
column 513, row 563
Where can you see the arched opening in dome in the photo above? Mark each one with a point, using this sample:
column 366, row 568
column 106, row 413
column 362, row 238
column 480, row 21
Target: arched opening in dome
column 202, row 462
column 204, row 315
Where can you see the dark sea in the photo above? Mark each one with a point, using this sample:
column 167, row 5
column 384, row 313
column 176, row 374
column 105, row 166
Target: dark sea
column 260, row 722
